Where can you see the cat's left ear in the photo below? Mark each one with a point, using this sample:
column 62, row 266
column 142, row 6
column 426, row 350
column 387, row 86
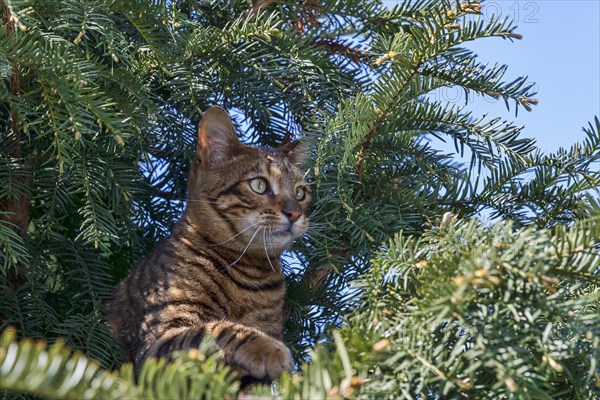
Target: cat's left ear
column 292, row 150
column 217, row 140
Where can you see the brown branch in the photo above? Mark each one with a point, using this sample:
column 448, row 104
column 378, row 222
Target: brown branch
column 307, row 16
column 366, row 145
column 314, row 278
column 17, row 208
column 443, row 202
column 364, row 150
column 308, row 12
column 258, row 6
column 333, row 46
column 6, row 17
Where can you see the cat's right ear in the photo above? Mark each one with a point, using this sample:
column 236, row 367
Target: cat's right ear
column 294, row 150
column 217, row 140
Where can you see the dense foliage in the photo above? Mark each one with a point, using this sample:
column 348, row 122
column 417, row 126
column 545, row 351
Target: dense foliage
column 98, row 106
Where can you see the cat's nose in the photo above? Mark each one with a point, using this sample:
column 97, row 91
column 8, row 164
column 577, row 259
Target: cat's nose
column 292, row 210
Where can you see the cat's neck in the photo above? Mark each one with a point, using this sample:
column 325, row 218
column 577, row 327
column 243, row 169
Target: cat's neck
column 232, row 252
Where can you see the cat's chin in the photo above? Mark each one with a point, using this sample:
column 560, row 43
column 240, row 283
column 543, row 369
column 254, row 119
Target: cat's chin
column 284, row 235
column 290, row 232
column 281, row 239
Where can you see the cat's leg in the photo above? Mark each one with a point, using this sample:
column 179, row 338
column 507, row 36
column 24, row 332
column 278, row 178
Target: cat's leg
column 174, row 339
column 261, row 355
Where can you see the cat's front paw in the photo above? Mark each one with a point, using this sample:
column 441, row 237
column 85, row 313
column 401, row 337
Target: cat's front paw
column 264, row 358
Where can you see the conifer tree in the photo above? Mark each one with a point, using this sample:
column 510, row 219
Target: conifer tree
column 397, row 291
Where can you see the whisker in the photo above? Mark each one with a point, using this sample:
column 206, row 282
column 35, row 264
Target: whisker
column 317, row 210
column 310, row 237
column 265, row 247
column 237, row 234
column 197, row 201
column 227, row 219
column 243, row 252
column 317, row 229
column 315, row 234
column 210, row 197
column 272, row 237
column 319, row 224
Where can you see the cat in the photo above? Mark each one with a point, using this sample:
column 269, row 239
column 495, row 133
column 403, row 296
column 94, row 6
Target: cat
column 218, row 275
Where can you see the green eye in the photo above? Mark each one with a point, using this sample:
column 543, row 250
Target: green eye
column 300, row 194
column 259, row 185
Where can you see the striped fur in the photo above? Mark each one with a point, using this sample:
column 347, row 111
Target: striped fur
column 218, row 275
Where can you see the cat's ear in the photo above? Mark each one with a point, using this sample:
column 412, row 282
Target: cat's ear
column 217, row 140
column 293, row 149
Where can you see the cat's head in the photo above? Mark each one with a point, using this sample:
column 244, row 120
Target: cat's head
column 242, row 197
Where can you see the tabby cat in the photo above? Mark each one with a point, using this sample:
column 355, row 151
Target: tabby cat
column 218, row 275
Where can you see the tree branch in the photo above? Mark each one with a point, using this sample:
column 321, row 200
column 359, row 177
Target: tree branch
column 444, row 202
column 333, row 46
column 364, row 150
column 313, row 278
column 366, row 146
column 17, row 208
column 258, row 6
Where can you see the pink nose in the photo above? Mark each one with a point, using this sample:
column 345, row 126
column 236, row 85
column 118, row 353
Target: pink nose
column 293, row 216
column 292, row 211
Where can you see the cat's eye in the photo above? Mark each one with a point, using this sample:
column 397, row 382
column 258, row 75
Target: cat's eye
column 300, row 194
column 259, row 185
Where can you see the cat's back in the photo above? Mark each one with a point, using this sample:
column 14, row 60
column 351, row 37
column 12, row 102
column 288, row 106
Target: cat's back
column 139, row 295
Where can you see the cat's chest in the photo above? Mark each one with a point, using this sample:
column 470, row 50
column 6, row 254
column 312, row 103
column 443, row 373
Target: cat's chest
column 270, row 323
column 262, row 310
column 257, row 307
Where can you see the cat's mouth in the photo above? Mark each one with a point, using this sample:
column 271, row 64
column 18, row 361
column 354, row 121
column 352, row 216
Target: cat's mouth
column 285, row 230
column 282, row 232
column 288, row 230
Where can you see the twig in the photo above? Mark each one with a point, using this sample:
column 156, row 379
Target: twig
column 17, row 208
column 444, row 202
column 258, row 6
column 361, row 157
column 366, row 146
column 333, row 46
column 315, row 277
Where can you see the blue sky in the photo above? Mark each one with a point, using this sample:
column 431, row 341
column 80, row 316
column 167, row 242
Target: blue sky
column 560, row 52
